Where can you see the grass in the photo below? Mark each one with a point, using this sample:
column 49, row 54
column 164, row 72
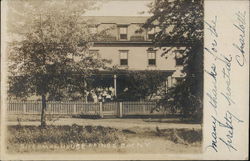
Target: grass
column 35, row 117
column 177, row 139
column 63, row 134
column 181, row 136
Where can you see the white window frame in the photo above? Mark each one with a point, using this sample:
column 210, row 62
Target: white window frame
column 151, row 56
column 123, row 57
column 123, row 32
column 150, row 32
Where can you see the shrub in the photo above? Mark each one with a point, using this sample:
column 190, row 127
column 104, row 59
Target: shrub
column 182, row 136
column 64, row 135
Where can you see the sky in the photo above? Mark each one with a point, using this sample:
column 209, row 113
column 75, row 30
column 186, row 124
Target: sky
column 120, row 8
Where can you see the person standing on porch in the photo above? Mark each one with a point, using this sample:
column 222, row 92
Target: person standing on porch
column 108, row 97
column 94, row 97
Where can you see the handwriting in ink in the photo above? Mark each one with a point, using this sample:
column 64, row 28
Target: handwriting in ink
column 226, row 71
column 228, row 125
column 240, row 45
column 227, row 140
column 213, row 94
column 212, row 49
column 214, row 145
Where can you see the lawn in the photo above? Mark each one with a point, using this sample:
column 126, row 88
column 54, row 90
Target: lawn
column 88, row 139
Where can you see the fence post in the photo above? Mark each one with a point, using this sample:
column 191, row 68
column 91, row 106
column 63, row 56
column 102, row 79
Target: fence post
column 24, row 107
column 144, row 110
column 48, row 108
column 120, row 110
column 74, row 108
column 101, row 113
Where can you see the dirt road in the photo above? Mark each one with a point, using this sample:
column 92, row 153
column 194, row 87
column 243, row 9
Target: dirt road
column 115, row 123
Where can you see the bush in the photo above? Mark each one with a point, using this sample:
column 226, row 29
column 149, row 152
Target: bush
column 179, row 100
column 63, row 135
column 86, row 116
column 182, row 136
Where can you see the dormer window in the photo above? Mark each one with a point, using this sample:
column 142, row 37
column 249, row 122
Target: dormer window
column 151, row 33
column 123, row 33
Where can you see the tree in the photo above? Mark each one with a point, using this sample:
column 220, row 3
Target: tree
column 141, row 85
column 51, row 53
column 180, row 23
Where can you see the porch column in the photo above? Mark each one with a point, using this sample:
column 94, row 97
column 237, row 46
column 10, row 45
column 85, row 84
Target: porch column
column 166, row 86
column 169, row 82
column 85, row 91
column 115, row 85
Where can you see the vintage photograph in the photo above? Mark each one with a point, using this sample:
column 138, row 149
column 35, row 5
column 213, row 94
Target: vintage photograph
column 104, row 76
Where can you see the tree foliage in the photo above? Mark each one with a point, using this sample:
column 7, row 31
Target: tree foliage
column 141, row 85
column 180, row 24
column 51, row 53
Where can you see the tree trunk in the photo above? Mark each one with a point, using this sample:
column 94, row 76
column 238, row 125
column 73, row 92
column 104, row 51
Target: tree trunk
column 43, row 115
column 85, row 91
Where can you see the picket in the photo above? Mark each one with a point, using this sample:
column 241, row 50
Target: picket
column 91, row 108
column 142, row 107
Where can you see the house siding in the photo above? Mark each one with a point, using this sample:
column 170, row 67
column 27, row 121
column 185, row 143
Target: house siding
column 137, row 58
column 137, row 45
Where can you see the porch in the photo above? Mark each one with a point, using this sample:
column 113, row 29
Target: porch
column 110, row 86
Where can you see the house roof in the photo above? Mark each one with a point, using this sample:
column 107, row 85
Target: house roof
column 116, row 19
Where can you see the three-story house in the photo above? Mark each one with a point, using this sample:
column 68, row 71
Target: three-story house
column 131, row 50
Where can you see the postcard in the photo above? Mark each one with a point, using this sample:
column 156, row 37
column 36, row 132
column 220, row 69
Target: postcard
column 124, row 80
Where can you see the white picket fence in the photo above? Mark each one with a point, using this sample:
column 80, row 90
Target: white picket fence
column 71, row 108
column 138, row 107
column 53, row 107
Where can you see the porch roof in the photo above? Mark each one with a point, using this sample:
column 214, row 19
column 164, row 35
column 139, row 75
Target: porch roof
column 125, row 72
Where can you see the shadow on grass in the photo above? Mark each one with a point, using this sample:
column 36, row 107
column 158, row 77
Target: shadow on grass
column 173, row 120
column 170, row 118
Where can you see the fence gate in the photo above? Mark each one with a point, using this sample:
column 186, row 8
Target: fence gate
column 110, row 108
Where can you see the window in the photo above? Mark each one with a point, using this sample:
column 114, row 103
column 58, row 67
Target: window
column 93, row 54
column 179, row 61
column 123, row 33
column 151, row 58
column 151, row 34
column 179, row 58
column 123, row 57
